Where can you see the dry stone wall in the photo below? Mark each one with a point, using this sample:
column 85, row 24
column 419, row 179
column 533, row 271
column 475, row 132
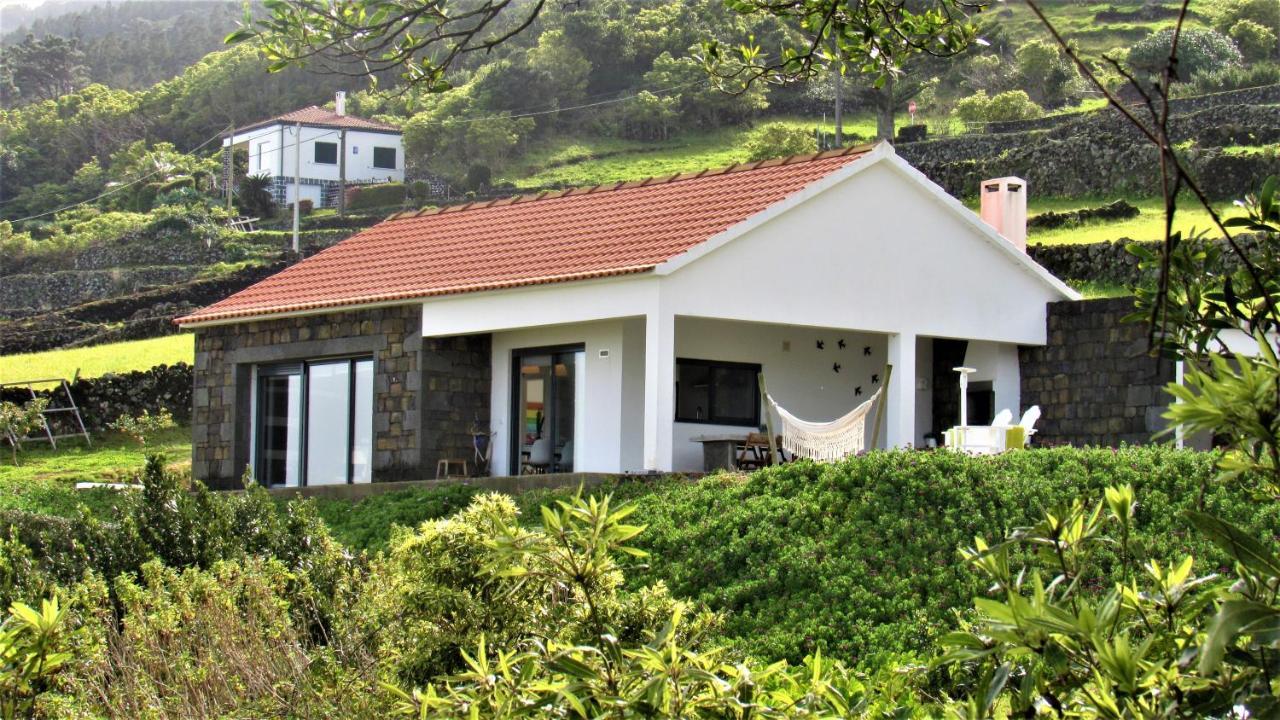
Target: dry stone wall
column 1093, row 380
column 103, row 399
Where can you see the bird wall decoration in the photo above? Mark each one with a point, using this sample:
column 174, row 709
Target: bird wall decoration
column 820, row 345
column 857, row 391
column 840, row 344
column 866, row 349
column 875, row 378
column 836, row 367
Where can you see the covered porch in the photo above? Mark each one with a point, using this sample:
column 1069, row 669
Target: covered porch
column 638, row 393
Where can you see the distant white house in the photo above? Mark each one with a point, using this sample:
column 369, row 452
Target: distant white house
column 334, row 147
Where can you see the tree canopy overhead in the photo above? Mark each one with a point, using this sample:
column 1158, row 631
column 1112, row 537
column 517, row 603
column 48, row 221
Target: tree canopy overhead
column 421, row 39
column 872, row 37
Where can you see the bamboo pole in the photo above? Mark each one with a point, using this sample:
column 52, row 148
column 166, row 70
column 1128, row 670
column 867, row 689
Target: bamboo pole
column 768, row 420
column 884, row 397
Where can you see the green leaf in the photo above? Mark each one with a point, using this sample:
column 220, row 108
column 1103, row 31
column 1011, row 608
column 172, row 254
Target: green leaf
column 1233, row 618
column 1236, row 542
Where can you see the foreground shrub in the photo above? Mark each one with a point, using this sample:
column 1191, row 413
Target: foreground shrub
column 859, row 558
column 588, row 655
column 184, row 527
column 221, row 642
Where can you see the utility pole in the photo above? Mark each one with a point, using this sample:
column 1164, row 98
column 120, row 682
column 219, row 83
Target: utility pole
column 342, row 173
column 229, row 162
column 297, row 182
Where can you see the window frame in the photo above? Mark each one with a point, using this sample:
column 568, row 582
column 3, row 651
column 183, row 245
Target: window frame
column 395, row 156
column 713, row 418
column 302, row 368
column 315, row 153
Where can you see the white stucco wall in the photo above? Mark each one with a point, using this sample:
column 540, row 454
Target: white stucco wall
column 602, row 408
column 997, row 363
column 799, row 376
column 877, row 252
column 265, row 157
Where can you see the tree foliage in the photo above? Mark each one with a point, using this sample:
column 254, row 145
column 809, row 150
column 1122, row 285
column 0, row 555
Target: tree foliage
column 1198, row 51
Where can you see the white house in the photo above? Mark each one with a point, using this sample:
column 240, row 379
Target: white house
column 615, row 324
column 323, row 148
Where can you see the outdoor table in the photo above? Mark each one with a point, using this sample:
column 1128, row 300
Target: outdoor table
column 720, row 452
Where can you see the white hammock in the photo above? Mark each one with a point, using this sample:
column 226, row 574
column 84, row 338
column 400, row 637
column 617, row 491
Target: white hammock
column 832, row 440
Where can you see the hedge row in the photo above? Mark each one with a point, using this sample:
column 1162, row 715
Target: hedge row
column 860, row 557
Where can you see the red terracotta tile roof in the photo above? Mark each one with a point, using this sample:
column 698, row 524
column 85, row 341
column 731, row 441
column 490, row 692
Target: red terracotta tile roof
column 566, row 235
column 316, row 116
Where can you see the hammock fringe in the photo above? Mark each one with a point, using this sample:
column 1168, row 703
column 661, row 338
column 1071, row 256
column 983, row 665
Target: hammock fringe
column 827, row 441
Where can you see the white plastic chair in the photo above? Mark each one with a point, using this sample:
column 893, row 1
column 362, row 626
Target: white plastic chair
column 1003, row 418
column 1028, row 422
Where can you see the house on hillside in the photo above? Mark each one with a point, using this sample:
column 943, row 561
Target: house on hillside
column 323, row 149
column 606, row 328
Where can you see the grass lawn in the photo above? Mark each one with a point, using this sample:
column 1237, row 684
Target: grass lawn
column 593, row 161
column 98, row 360
column 1077, row 22
column 45, row 479
column 1148, row 225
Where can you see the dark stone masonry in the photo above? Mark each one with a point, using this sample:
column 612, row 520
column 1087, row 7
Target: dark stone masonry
column 1094, row 380
column 426, row 394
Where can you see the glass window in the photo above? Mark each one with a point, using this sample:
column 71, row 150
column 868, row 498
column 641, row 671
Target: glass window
column 362, row 424
column 327, row 153
column 315, row 423
column 279, row 430
column 328, row 422
column 718, row 393
column 384, row 157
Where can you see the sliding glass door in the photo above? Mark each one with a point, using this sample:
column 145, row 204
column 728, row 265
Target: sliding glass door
column 547, row 391
column 315, row 423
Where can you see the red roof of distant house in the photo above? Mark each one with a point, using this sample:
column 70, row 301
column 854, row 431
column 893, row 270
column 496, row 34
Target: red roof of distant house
column 600, row 231
column 316, row 116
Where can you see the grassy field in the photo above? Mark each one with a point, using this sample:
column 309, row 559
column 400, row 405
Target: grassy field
column 576, row 163
column 44, row 480
column 1149, row 225
column 1078, row 22
column 99, row 359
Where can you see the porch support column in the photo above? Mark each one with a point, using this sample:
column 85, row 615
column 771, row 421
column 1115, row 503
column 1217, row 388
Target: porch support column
column 659, row 389
column 900, row 407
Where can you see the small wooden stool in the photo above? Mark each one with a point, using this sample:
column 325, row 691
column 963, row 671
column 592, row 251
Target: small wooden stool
column 443, row 467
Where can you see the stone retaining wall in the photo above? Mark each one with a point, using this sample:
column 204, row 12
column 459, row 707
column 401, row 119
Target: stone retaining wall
column 1094, row 381
column 425, row 394
column 55, row 290
column 103, row 399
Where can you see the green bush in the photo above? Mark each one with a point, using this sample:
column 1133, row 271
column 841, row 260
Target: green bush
column 1198, row 51
column 1009, row 105
column 1237, row 78
column 376, row 196
column 859, row 558
column 368, row 524
column 1256, row 42
column 777, row 140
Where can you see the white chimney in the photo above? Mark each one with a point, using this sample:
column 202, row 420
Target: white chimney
column 340, row 102
column 1004, row 207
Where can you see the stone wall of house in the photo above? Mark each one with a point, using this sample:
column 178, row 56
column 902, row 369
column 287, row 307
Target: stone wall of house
column 424, row 397
column 1094, row 381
